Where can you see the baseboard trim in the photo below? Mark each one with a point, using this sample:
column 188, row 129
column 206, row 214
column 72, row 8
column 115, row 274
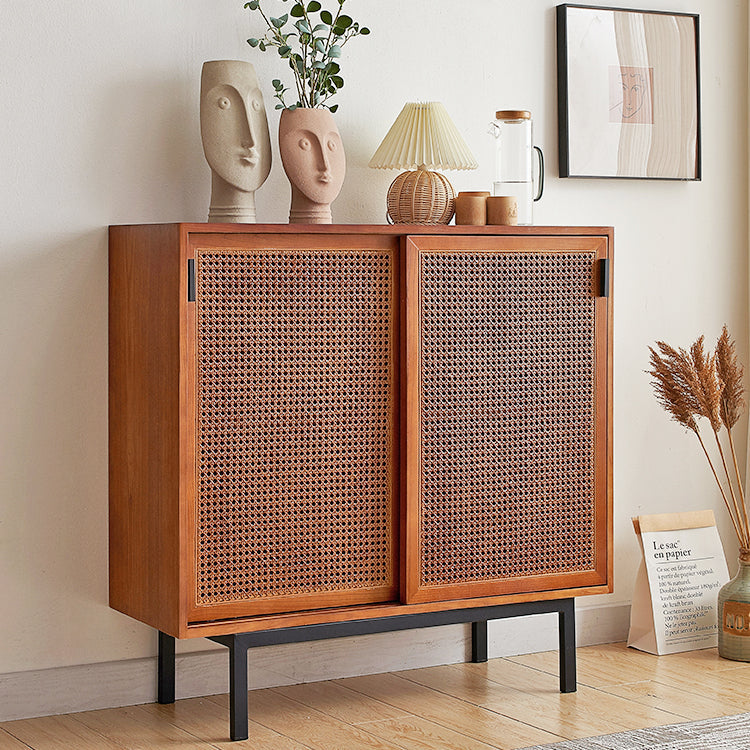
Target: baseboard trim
column 124, row 683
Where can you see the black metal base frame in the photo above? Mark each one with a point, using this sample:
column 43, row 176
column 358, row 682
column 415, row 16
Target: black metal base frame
column 239, row 643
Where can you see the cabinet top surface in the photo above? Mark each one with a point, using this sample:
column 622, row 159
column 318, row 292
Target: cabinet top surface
column 386, row 229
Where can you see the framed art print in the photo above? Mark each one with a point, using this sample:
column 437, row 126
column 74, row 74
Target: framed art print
column 628, row 93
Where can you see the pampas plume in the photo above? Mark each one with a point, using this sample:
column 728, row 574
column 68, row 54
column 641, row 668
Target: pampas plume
column 695, row 384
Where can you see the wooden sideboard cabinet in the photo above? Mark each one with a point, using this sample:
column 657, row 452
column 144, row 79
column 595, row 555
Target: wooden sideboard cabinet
column 329, row 427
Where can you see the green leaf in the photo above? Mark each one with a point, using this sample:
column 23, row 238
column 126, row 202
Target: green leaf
column 320, row 27
column 284, row 50
column 332, row 68
column 344, row 22
column 313, row 7
column 318, row 65
column 364, row 31
column 298, row 10
column 337, row 81
column 279, row 106
column 277, row 84
column 279, row 22
column 253, row 42
column 320, row 46
column 326, row 17
column 262, row 47
column 335, row 51
column 253, row 4
column 333, row 108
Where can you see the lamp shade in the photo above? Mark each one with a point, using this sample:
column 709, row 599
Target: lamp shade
column 423, row 135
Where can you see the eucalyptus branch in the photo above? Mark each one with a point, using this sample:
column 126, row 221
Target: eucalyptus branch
column 308, row 21
column 328, row 44
column 316, row 73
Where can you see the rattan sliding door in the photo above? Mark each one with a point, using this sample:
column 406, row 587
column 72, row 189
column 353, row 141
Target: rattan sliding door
column 506, row 416
column 294, row 411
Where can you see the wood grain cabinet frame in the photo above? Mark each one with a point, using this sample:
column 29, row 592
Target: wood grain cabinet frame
column 323, row 424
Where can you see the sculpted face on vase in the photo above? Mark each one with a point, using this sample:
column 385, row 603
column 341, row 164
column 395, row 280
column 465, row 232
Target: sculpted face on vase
column 314, row 161
column 236, row 141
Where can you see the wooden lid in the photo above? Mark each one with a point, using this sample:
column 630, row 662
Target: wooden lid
column 513, row 114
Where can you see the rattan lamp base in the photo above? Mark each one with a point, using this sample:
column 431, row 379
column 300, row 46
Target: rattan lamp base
column 421, row 197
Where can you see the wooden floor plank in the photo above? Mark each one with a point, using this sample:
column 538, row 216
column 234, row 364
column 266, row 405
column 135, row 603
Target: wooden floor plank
column 451, row 713
column 502, row 704
column 414, row 733
column 517, row 676
column 584, row 713
column 9, row 742
column 610, row 665
column 616, row 664
column 465, row 684
column 716, row 688
column 58, row 733
column 308, row 726
column 691, row 706
column 136, row 728
column 705, row 660
column 209, row 721
column 341, row 702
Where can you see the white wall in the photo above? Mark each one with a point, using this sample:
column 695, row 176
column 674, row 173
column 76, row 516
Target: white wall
column 100, row 126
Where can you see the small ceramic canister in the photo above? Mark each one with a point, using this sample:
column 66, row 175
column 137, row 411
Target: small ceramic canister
column 471, row 207
column 502, row 209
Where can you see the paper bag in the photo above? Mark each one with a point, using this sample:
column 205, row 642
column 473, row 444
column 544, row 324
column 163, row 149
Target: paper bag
column 682, row 569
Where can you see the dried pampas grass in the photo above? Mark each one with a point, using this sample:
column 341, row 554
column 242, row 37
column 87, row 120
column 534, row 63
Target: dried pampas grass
column 694, row 384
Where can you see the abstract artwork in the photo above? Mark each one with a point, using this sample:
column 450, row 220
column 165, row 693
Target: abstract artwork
column 628, row 93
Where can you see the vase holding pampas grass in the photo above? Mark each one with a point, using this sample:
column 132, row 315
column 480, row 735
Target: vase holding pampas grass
column 704, row 390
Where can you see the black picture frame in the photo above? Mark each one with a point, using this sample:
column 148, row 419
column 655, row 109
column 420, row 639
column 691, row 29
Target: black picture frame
column 648, row 59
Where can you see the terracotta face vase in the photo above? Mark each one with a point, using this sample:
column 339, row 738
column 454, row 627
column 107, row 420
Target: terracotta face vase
column 236, row 142
column 314, row 161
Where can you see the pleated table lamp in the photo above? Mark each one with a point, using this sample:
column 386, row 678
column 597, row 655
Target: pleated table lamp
column 423, row 138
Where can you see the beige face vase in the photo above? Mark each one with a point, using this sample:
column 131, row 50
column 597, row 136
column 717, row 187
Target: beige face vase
column 314, row 161
column 234, row 130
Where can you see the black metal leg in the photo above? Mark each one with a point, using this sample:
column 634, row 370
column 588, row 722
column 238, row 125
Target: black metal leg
column 166, row 669
column 567, row 626
column 237, row 689
column 239, row 643
column 479, row 641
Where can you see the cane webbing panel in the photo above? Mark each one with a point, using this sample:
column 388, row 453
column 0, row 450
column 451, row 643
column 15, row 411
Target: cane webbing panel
column 507, row 415
column 294, row 411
